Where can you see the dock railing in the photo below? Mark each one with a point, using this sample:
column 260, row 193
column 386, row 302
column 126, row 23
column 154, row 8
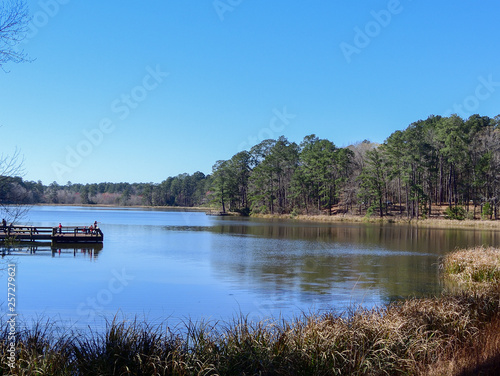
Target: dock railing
column 75, row 231
column 58, row 234
column 30, row 232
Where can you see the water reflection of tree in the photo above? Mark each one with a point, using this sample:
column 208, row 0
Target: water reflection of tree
column 395, row 261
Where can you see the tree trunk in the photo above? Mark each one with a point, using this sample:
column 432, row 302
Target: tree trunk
column 399, row 186
column 407, row 202
column 450, row 187
column 381, row 209
column 222, row 201
column 330, row 202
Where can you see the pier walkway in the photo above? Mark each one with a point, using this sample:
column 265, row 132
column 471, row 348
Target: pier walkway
column 67, row 234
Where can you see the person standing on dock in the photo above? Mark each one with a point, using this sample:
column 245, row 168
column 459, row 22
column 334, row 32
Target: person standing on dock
column 60, row 228
column 4, row 225
column 97, row 229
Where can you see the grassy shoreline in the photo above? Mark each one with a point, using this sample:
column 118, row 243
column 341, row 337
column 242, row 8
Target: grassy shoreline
column 430, row 222
column 456, row 334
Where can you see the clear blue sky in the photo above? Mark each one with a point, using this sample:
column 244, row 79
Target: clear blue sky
column 139, row 91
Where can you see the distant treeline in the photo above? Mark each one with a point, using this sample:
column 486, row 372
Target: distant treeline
column 441, row 161
column 182, row 190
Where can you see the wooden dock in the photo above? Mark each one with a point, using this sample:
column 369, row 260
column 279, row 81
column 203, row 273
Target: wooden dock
column 66, row 234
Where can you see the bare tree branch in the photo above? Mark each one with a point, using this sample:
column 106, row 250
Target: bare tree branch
column 14, row 20
column 12, row 195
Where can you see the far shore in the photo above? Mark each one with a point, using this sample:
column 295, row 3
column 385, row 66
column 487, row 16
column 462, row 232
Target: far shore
column 430, row 222
column 435, row 222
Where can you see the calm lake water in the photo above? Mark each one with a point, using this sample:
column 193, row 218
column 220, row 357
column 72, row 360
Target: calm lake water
column 175, row 266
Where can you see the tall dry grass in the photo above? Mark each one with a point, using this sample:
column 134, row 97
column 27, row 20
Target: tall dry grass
column 480, row 356
column 418, row 336
column 350, row 218
column 473, row 268
column 474, row 272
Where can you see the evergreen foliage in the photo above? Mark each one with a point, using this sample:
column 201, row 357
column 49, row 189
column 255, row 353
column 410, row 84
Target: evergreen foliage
column 438, row 162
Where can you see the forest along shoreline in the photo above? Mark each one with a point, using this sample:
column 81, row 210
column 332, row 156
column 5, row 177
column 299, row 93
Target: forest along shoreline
column 455, row 334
